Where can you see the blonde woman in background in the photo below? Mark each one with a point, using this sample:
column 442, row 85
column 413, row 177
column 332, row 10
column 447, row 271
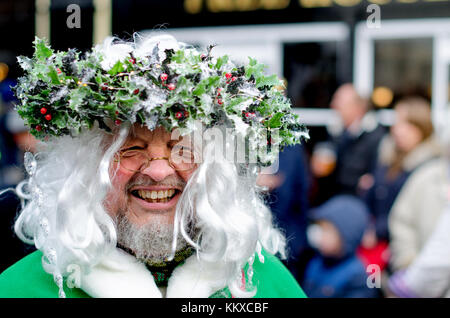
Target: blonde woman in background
column 410, row 144
column 420, row 227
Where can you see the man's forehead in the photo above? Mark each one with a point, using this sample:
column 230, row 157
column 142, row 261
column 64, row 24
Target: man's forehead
column 147, row 135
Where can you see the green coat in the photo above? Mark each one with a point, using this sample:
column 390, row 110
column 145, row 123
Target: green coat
column 27, row 279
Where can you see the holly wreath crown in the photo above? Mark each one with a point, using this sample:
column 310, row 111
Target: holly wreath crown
column 169, row 85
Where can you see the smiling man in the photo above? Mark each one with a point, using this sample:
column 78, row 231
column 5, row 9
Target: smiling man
column 122, row 199
column 145, row 191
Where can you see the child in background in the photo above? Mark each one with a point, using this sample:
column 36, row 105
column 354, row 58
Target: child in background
column 336, row 271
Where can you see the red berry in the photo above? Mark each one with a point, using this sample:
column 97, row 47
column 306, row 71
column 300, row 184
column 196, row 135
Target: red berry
column 58, row 71
column 233, row 78
column 178, row 115
column 164, row 77
column 38, row 127
column 117, row 112
column 48, row 117
column 171, row 86
column 104, row 87
column 117, row 122
column 228, row 75
column 136, row 91
column 186, row 114
column 219, row 101
column 132, row 61
column 43, row 110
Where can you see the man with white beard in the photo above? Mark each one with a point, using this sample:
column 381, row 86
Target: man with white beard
column 123, row 200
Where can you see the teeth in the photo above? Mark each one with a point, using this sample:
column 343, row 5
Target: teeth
column 156, row 196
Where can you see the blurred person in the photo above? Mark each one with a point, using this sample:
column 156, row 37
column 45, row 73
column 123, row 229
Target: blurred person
column 421, row 235
column 7, row 98
column 117, row 198
column 418, row 209
column 336, row 271
column 354, row 141
column 322, row 166
column 288, row 201
column 428, row 275
column 410, row 145
column 18, row 140
column 357, row 145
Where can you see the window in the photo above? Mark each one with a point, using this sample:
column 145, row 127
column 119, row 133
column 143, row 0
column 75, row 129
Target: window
column 404, row 66
column 313, row 71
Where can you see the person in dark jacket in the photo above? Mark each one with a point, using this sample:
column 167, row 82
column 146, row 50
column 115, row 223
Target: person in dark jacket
column 357, row 144
column 336, row 271
column 288, row 200
column 350, row 152
column 16, row 140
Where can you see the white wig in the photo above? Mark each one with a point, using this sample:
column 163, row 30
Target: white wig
column 67, row 221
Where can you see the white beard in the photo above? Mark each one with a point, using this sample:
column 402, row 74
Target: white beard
column 150, row 243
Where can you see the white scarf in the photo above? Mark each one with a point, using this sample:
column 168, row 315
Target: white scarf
column 121, row 275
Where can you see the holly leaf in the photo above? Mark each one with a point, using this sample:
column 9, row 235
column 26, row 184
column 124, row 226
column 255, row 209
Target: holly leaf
column 213, row 81
column 204, row 85
column 99, row 97
column 230, row 106
column 254, row 68
column 109, row 107
column 199, row 90
column 42, row 51
column 126, row 100
column 275, row 121
column 76, row 98
column 177, row 57
column 117, row 68
column 221, row 61
column 59, row 120
column 53, row 75
column 271, row 80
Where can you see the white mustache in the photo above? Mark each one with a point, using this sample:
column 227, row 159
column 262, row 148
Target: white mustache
column 143, row 180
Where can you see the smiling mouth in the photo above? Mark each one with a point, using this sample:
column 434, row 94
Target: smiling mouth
column 151, row 196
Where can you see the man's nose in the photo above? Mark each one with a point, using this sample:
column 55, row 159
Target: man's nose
column 158, row 169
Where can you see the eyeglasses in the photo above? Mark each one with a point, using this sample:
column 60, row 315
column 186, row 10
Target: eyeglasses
column 181, row 159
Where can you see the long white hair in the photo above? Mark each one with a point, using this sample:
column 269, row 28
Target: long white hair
column 65, row 218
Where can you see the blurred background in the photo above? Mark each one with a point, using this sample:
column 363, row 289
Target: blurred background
column 370, row 79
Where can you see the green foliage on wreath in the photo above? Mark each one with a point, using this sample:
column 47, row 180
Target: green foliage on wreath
column 66, row 92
